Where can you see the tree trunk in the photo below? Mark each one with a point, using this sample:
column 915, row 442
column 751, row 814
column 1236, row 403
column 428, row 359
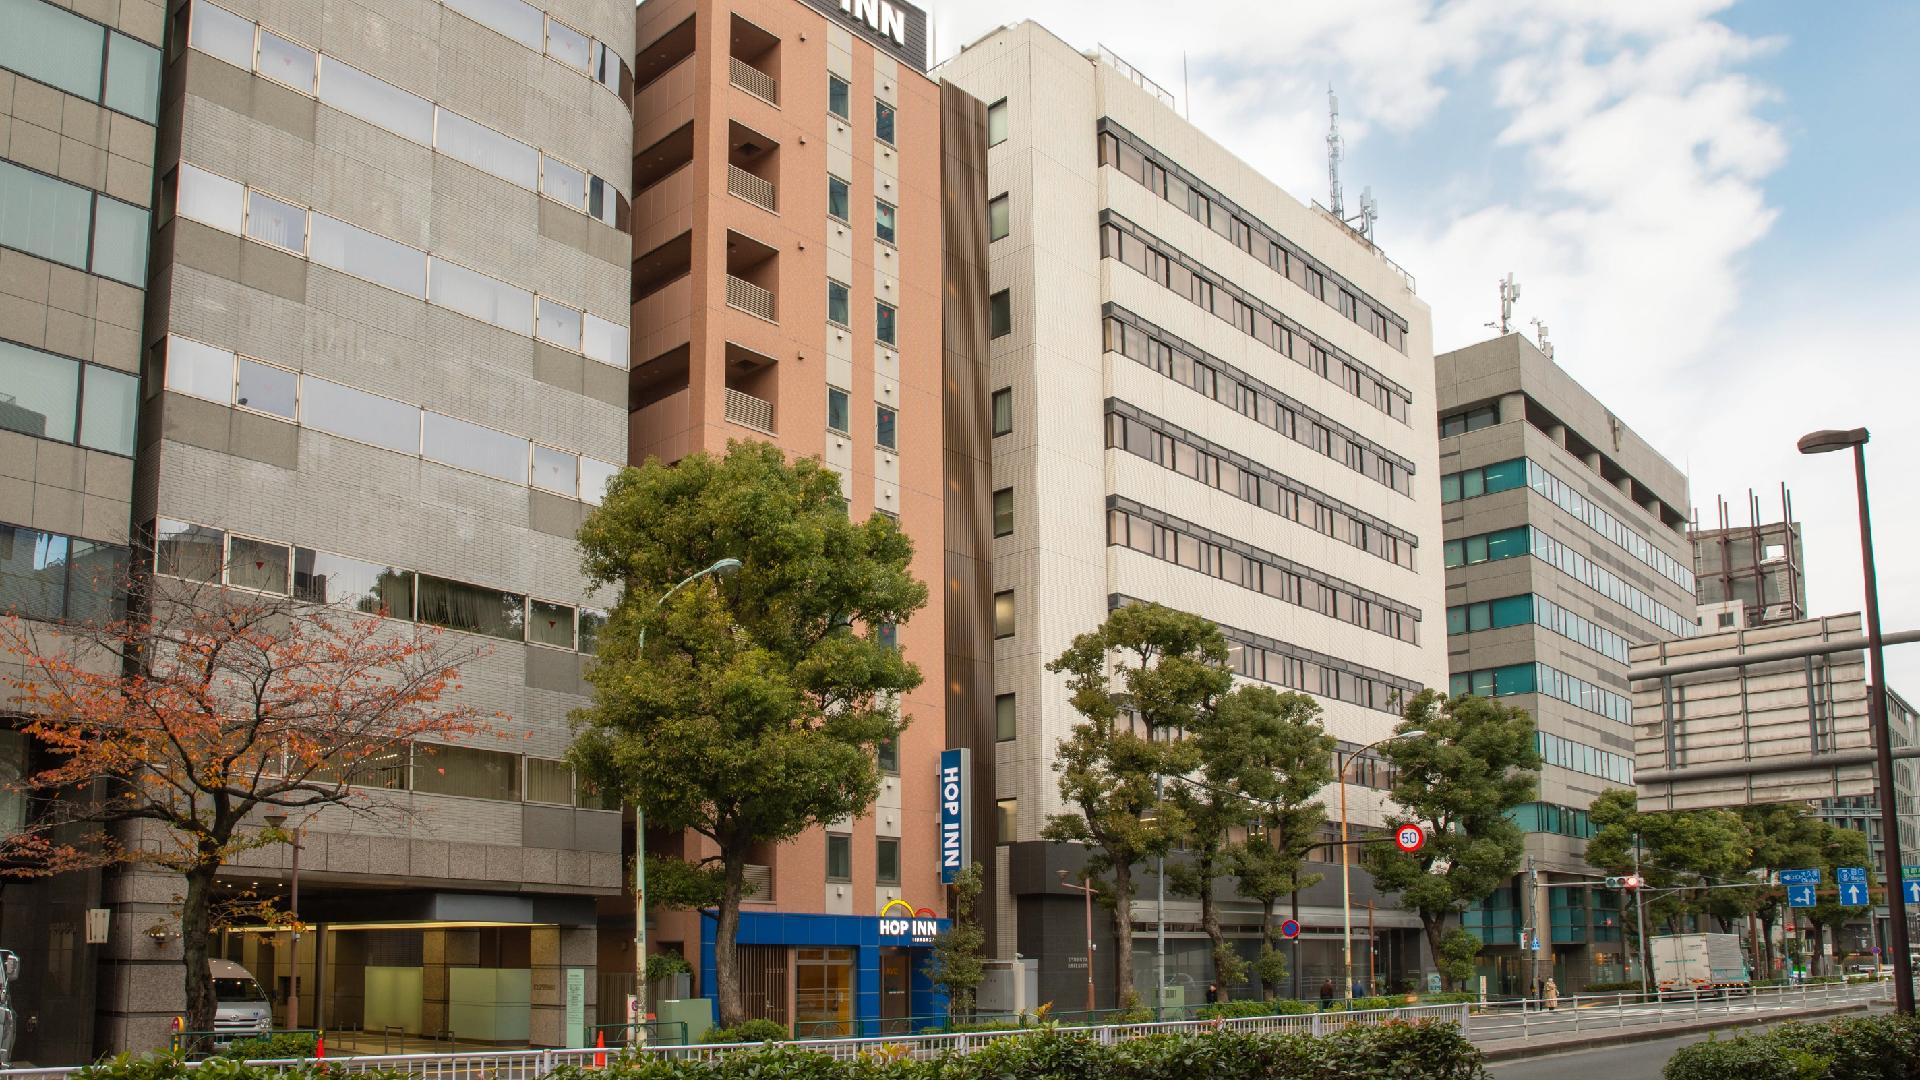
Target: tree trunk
column 733, row 1010
column 1123, row 993
column 1436, row 929
column 194, row 910
column 1293, row 958
column 1267, row 941
column 1210, row 922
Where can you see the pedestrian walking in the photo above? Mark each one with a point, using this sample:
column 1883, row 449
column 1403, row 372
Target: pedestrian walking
column 1552, row 995
column 1214, row 996
column 1326, row 995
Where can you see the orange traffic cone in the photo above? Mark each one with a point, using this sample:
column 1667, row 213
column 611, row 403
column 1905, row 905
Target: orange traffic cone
column 600, row 1043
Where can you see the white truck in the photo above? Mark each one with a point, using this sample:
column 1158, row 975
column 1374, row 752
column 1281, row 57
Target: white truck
column 1692, row 963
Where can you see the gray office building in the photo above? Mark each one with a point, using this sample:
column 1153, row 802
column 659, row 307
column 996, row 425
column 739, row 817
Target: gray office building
column 1565, row 543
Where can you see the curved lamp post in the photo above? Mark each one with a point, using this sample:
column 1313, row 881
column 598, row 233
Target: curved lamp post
column 1346, row 859
column 637, row 1032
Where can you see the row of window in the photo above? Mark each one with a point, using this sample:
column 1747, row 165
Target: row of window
column 1590, row 514
column 840, row 104
column 1172, row 540
column 1579, row 757
column 1539, row 817
column 1540, row 679
column 886, row 859
column 226, row 378
column 221, row 34
column 1525, row 540
column 1527, row 608
column 1121, row 149
column 1486, row 480
column 1144, row 436
column 1126, row 242
column 204, row 553
column 543, row 33
column 886, row 317
column 58, row 578
column 75, row 226
column 886, row 216
column 1459, row 423
column 231, row 206
column 472, row 772
column 57, row 397
column 1165, row 353
column 885, row 422
column 81, row 57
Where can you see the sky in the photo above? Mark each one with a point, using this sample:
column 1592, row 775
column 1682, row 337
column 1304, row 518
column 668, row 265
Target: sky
column 1711, row 204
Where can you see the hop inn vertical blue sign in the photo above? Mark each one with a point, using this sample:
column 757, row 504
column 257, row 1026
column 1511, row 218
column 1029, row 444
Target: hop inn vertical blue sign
column 956, row 839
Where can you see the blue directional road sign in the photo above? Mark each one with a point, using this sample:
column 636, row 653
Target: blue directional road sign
column 1913, row 890
column 1853, row 895
column 1800, row 877
column 1850, row 875
column 1800, row 896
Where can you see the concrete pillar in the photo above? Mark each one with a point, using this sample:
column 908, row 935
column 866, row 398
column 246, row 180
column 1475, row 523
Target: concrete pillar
column 434, row 1014
column 1513, row 407
column 142, row 981
column 556, row 949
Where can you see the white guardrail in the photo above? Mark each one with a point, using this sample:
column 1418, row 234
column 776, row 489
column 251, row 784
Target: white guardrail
column 1529, row 1018
column 535, row 1064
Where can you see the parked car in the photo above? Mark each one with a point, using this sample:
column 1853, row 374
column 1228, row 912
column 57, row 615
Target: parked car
column 241, row 1008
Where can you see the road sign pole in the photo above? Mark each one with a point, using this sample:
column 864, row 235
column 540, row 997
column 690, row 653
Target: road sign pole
column 1640, row 916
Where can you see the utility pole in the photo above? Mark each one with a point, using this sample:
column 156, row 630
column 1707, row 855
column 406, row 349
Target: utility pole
column 1160, row 928
column 1640, row 916
column 1528, row 935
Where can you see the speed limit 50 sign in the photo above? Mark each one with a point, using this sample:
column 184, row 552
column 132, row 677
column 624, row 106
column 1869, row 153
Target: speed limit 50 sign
column 1410, row 838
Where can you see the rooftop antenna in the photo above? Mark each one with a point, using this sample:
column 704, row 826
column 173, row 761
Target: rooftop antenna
column 1335, row 151
column 1509, row 292
column 1540, row 330
column 1369, row 212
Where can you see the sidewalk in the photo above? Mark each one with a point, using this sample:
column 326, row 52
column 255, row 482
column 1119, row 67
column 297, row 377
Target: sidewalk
column 1556, row 1043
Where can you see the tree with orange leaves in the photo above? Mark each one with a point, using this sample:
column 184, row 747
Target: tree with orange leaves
column 178, row 728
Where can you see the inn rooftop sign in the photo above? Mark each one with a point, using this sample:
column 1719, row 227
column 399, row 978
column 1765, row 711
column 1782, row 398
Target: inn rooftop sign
column 897, row 27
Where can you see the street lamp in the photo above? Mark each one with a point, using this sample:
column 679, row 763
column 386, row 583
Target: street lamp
column 637, row 1033
column 1346, row 858
column 1821, row 442
column 293, row 912
column 1087, row 890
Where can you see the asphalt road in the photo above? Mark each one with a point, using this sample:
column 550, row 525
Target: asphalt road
column 1507, row 1023
column 1629, row 1061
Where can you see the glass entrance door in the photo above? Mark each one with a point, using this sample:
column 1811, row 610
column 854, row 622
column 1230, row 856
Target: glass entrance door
column 896, row 991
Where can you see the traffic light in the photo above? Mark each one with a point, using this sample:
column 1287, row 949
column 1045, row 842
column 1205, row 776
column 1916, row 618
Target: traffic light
column 1629, row 882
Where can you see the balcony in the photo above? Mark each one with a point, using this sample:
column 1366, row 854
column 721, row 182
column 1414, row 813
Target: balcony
column 745, row 185
column 753, row 80
column 749, row 411
column 743, row 295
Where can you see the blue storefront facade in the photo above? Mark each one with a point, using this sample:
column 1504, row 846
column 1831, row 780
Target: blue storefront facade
column 835, row 975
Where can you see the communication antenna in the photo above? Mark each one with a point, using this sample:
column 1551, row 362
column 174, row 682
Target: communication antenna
column 1369, row 213
column 1335, row 151
column 1509, row 292
column 1540, row 331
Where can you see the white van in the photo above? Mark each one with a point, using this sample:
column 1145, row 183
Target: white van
column 241, row 1008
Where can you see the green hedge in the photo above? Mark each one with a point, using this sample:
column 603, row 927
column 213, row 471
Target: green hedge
column 749, row 1031
column 174, row 1067
column 286, row 1044
column 1855, row 1048
column 1426, row 1051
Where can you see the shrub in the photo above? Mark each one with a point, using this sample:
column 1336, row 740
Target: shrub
column 1451, row 997
column 174, row 1067
column 749, row 1031
column 285, row 1044
column 1854, row 1048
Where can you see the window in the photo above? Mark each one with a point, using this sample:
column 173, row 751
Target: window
column 321, row 578
column 997, row 122
column 569, row 46
column 549, row 781
column 837, row 410
column 837, row 197
column 277, row 223
column 1003, row 512
column 467, row 771
column 474, row 609
column 556, row 471
column 998, row 218
column 838, row 95
column 194, row 552
column 53, row 46
column 107, row 408
column 1726, row 620
column 210, row 199
column 133, row 77
column 478, row 296
column 838, row 303
column 1003, row 614
column 516, row 20
column 885, row 318
column 591, row 623
column 367, row 255
column 41, row 392
column 284, row 62
column 886, row 860
column 1002, row 411
column 604, row 341
column 1473, row 420
column 550, row 624
column 382, row 104
column 839, row 857
column 219, row 32
column 356, row 414
column 49, row 576
column 883, row 219
column 1006, row 816
column 886, row 633
column 487, row 150
column 1005, row 720
column 883, row 427
column 265, row 388
column 470, row 446
column 883, row 121
column 558, row 324
column 257, row 564
column 43, row 216
column 562, row 182
column 1000, row 314
column 887, row 756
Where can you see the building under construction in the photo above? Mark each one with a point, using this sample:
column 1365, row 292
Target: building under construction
column 1752, row 574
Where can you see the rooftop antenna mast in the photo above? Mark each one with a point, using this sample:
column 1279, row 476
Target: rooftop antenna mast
column 1509, row 292
column 1540, row 330
column 1335, row 151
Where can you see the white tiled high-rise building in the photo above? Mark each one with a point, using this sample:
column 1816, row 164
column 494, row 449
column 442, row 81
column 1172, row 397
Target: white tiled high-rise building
column 1212, row 395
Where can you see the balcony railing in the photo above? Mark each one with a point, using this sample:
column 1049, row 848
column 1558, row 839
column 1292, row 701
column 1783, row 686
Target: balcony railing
column 749, row 411
column 751, row 188
column 750, row 298
column 754, row 81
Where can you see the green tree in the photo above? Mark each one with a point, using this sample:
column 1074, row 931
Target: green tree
column 1475, row 763
column 1283, row 758
column 1684, row 851
column 1144, row 675
column 1784, row 837
column 957, row 964
column 1838, row 847
column 755, row 709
